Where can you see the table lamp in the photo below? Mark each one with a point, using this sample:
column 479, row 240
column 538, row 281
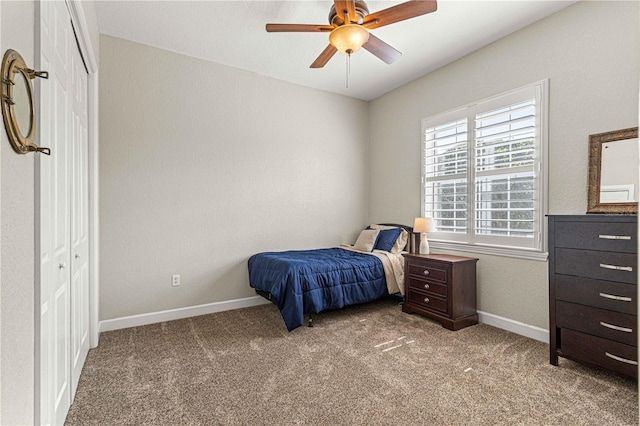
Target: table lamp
column 422, row 225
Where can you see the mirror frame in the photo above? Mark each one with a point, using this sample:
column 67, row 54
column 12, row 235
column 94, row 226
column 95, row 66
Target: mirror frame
column 13, row 65
column 595, row 156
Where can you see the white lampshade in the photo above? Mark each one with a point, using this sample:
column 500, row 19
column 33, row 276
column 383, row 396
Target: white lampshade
column 348, row 38
column 423, row 224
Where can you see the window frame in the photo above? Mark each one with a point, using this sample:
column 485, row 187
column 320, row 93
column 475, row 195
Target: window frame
column 488, row 244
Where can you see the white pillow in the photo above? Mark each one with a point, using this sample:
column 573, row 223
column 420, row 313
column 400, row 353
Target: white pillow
column 366, row 240
column 401, row 242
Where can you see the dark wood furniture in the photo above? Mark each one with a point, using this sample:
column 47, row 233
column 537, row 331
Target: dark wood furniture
column 593, row 291
column 441, row 287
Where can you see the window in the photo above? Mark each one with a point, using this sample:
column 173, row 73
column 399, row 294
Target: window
column 484, row 174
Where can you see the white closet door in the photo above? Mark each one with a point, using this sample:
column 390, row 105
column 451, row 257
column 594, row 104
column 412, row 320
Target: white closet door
column 44, row 217
column 55, row 297
column 63, row 200
column 79, row 220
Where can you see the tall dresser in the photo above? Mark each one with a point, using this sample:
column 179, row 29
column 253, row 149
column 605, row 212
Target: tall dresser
column 593, row 291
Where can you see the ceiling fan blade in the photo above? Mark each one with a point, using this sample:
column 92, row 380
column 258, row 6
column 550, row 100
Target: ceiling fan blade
column 400, row 12
column 324, row 57
column 298, row 28
column 381, row 49
column 349, row 6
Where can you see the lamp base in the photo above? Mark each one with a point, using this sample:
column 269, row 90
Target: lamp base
column 424, row 244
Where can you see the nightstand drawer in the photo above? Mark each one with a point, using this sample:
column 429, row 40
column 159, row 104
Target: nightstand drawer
column 599, row 322
column 427, row 301
column 601, row 352
column 428, row 286
column 430, row 272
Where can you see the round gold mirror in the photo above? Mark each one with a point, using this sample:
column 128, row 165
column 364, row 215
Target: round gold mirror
column 18, row 111
column 22, row 98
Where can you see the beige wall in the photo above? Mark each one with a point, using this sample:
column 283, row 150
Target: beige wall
column 17, row 244
column 203, row 165
column 590, row 53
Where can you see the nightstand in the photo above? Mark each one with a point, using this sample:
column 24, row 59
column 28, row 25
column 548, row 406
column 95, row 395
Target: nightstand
column 441, row 287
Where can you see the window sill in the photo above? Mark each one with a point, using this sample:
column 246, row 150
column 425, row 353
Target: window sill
column 519, row 253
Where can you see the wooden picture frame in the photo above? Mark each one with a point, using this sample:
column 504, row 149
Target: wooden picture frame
column 594, row 204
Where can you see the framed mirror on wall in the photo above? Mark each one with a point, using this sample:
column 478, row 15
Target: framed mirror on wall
column 613, row 172
column 18, row 110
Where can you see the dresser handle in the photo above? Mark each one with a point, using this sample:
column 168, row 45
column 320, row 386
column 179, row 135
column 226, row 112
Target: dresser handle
column 426, row 300
column 426, row 286
column 616, row 267
column 616, row 327
column 615, row 237
column 618, row 358
column 614, row 297
column 426, row 272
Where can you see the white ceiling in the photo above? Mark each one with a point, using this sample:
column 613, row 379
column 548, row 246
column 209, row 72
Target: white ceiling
column 233, row 33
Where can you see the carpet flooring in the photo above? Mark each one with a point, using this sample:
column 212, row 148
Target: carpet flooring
column 365, row 365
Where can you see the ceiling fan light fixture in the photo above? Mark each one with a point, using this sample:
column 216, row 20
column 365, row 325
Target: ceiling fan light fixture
column 348, row 38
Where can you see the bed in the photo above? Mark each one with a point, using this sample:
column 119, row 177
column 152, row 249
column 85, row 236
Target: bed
column 306, row 282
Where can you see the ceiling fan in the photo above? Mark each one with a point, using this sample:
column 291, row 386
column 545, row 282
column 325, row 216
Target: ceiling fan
column 349, row 25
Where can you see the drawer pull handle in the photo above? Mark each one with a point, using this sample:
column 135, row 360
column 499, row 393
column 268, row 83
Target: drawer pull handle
column 616, row 267
column 616, row 327
column 614, row 297
column 618, row 358
column 426, row 300
column 615, row 237
column 426, row 272
column 426, row 286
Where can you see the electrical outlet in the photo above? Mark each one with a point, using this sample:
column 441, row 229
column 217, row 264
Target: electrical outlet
column 175, row 280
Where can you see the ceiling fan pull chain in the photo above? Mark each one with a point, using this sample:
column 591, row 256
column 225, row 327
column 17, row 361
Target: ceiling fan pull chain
column 348, row 70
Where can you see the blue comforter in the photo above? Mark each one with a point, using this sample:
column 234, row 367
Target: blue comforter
column 310, row 281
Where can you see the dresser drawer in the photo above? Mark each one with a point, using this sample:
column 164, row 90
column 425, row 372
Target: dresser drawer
column 605, row 236
column 426, row 301
column 601, row 352
column 599, row 322
column 430, row 271
column 600, row 294
column 621, row 267
column 428, row 286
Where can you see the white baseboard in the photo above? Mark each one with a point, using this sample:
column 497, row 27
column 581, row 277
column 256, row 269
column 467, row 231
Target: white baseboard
column 536, row 333
column 180, row 313
column 523, row 329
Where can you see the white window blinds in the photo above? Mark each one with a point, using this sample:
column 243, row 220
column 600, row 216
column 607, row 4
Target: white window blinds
column 446, row 165
column 483, row 180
